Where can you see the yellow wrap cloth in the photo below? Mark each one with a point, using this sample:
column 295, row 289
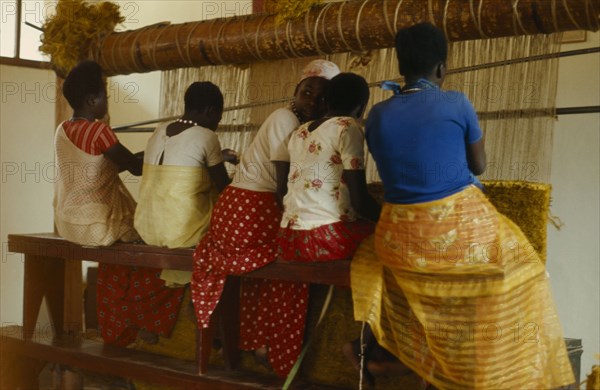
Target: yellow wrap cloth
column 174, row 209
column 455, row 290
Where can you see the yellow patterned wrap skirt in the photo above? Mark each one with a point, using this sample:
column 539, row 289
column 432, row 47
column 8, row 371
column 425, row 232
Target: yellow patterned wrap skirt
column 455, row 290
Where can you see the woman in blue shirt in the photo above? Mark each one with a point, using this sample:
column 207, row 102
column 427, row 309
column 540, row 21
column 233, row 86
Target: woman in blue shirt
column 446, row 279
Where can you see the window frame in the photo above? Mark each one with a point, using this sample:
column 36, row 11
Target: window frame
column 17, row 60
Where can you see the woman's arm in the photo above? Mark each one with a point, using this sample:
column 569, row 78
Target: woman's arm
column 125, row 160
column 474, row 139
column 476, row 157
column 362, row 202
column 218, row 175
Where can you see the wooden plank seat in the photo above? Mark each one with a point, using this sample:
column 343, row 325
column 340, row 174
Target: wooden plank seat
column 53, row 272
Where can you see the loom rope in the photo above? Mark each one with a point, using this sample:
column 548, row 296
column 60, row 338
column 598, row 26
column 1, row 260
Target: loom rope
column 153, row 53
column 517, row 18
column 386, row 17
column 178, row 46
column 396, row 16
column 187, row 42
column 288, row 27
column 570, row 15
column 278, row 40
column 477, row 18
column 256, row 43
column 445, row 17
column 244, row 35
column 340, row 28
column 219, row 36
column 357, row 27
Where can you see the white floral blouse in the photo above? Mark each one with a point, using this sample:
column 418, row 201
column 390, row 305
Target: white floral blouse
column 317, row 194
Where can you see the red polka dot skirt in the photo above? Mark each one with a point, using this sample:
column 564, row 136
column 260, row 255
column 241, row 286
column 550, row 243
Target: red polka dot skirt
column 273, row 315
column 242, row 238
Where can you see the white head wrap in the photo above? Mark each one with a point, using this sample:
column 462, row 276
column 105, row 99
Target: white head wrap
column 320, row 68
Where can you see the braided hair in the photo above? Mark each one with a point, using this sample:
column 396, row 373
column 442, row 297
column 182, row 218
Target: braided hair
column 346, row 91
column 419, row 48
column 83, row 80
column 202, row 94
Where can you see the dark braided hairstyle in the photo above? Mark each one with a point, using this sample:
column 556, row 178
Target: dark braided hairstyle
column 83, row 80
column 419, row 48
column 202, row 94
column 346, row 91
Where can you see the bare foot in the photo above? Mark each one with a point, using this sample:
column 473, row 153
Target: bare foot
column 148, row 337
column 261, row 355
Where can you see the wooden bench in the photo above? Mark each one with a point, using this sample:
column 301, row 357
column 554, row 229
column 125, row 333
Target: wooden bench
column 53, row 271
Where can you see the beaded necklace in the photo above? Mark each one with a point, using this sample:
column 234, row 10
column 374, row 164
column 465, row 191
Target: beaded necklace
column 187, row 122
column 295, row 111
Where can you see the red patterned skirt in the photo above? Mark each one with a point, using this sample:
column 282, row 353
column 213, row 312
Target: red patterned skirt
column 277, row 318
column 241, row 239
column 273, row 315
column 335, row 241
column 133, row 298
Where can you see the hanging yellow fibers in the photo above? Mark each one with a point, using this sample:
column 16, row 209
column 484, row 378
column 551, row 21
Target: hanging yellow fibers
column 69, row 34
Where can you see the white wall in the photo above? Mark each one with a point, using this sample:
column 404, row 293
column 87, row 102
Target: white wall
column 574, row 250
column 27, row 99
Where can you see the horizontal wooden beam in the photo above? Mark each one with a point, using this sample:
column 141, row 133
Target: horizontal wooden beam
column 347, row 26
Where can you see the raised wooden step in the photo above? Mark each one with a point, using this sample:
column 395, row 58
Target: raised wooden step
column 93, row 355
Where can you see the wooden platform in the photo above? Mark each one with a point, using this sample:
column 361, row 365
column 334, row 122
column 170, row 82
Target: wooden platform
column 53, row 272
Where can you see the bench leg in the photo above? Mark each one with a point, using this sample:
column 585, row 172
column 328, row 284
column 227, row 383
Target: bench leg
column 230, row 321
column 43, row 278
column 72, row 298
column 204, row 339
column 60, row 281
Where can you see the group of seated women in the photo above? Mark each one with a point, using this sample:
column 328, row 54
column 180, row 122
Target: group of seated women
column 299, row 193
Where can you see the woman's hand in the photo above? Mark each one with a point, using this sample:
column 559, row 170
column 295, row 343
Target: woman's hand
column 230, row 156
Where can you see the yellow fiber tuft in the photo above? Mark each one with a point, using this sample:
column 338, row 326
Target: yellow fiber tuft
column 70, row 34
column 593, row 379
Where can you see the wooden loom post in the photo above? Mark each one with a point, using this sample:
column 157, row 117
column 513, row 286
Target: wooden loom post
column 348, row 26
